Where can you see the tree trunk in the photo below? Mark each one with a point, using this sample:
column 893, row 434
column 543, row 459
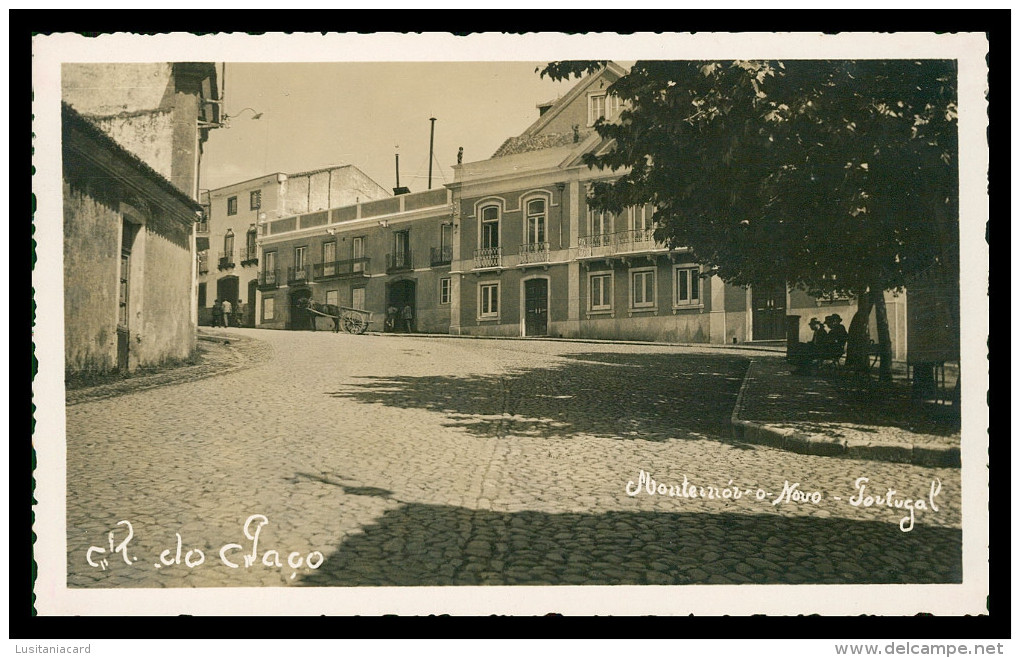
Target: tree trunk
column 884, row 341
column 857, row 334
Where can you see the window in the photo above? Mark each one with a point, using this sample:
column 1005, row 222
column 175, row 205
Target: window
column 601, row 105
column 329, row 260
column 268, row 306
column 251, row 239
column 270, row 261
column 228, row 243
column 490, row 227
column 445, row 241
column 444, row 290
column 401, row 249
column 488, row 300
column 299, row 263
column 638, row 218
column 687, row 286
column 232, row 205
column 256, row 200
column 600, row 287
column 358, row 251
column 642, row 289
column 535, row 219
column 203, row 221
column 333, row 297
column 201, row 295
column 358, row 298
column 600, row 222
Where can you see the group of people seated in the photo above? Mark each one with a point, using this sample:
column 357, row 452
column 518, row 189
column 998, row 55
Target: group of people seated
column 828, row 342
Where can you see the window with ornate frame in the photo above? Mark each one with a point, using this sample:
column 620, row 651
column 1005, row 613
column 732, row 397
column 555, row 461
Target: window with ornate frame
column 489, row 217
column 488, row 300
column 600, row 291
column 445, row 290
column 686, row 286
column 642, row 288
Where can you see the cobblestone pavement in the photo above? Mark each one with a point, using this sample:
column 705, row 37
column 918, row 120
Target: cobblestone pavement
column 395, row 460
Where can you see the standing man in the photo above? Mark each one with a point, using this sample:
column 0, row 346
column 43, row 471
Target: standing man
column 239, row 313
column 407, row 315
column 227, row 310
column 217, row 313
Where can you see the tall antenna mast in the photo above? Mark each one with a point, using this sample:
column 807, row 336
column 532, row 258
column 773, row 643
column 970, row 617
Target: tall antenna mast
column 432, row 140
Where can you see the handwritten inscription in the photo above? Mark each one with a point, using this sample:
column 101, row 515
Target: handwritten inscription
column 233, row 555
column 792, row 493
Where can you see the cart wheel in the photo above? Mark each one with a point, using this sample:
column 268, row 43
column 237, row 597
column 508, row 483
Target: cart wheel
column 353, row 324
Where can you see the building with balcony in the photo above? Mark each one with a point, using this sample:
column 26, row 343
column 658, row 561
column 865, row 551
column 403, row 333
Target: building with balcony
column 394, row 252
column 236, row 215
column 531, row 258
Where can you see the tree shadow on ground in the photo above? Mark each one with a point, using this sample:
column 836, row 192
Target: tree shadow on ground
column 417, row 544
column 623, row 396
column 775, row 395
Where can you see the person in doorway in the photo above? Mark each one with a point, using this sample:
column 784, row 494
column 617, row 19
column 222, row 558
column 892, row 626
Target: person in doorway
column 217, row 313
column 407, row 315
column 227, row 310
column 391, row 318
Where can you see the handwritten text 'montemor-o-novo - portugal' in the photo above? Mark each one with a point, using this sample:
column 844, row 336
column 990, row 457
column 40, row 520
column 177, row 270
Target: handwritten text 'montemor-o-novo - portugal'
column 792, row 493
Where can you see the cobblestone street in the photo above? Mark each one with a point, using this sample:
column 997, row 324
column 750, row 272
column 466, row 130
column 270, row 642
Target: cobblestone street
column 402, row 460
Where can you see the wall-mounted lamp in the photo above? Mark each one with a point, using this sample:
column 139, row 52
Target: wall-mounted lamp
column 331, row 231
column 384, row 223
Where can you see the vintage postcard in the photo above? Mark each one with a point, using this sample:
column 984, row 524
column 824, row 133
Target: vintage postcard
column 356, row 324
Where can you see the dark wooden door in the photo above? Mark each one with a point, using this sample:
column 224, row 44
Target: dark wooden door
column 768, row 304
column 536, row 307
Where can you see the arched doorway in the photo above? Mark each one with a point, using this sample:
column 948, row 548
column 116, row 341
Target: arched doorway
column 399, row 296
column 300, row 318
column 249, row 309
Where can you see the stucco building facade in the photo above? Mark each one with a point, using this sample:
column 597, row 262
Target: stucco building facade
column 236, row 215
column 127, row 257
column 512, row 248
column 132, row 143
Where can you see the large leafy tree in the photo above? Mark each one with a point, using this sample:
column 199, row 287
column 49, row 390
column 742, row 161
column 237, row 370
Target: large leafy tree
column 838, row 177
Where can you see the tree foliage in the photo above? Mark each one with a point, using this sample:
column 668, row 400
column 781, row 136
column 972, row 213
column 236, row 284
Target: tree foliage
column 835, row 176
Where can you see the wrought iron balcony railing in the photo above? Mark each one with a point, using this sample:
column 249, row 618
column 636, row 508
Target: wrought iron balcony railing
column 490, row 257
column 399, row 261
column 269, row 279
column 340, row 269
column 299, row 274
column 621, row 242
column 535, row 252
column 441, row 256
column 226, row 260
column 249, row 257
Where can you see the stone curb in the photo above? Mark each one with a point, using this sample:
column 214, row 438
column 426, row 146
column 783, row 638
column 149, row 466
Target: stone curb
column 590, row 341
column 173, row 376
column 811, row 444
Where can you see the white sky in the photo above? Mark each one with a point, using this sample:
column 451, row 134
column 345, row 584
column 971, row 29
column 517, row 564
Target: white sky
column 320, row 114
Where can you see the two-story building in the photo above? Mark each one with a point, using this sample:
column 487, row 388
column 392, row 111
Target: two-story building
column 227, row 244
column 512, row 248
column 531, row 258
column 388, row 253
